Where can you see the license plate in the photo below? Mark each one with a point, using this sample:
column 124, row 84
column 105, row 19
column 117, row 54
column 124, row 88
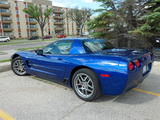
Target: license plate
column 145, row 69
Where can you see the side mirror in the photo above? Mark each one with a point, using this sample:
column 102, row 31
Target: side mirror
column 39, row 52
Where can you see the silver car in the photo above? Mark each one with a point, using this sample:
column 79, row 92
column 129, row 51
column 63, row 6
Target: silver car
column 4, row 39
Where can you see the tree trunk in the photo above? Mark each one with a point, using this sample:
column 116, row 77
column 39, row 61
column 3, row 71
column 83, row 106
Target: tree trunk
column 42, row 31
column 81, row 29
column 78, row 31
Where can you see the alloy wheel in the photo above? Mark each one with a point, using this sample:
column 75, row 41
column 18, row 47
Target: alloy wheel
column 84, row 85
column 18, row 67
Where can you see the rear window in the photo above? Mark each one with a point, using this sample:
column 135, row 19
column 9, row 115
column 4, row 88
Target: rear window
column 96, row 46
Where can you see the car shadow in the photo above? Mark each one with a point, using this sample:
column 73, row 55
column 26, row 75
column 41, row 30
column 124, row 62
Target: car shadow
column 150, row 84
column 131, row 97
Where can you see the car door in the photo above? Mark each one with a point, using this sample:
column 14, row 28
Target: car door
column 52, row 64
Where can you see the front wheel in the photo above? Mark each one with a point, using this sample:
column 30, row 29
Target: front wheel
column 86, row 85
column 18, row 66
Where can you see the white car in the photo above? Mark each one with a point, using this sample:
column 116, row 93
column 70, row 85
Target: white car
column 85, row 34
column 4, row 39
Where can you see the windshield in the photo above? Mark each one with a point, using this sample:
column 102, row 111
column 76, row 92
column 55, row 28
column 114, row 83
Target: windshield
column 96, row 46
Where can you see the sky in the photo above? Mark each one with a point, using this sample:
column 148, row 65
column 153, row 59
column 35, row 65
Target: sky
column 76, row 3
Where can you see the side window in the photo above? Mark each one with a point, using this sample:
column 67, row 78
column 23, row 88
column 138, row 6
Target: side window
column 60, row 47
column 86, row 48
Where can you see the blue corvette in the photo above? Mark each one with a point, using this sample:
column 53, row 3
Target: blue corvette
column 91, row 67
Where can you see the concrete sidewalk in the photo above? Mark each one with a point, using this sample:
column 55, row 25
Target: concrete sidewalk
column 24, row 45
column 6, row 66
column 7, row 55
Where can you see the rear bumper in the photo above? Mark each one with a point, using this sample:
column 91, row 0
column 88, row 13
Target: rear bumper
column 122, row 82
column 134, row 79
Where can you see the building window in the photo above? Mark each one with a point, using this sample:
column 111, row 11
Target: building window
column 28, row 26
column 6, row 26
column 17, row 12
column 26, row 5
column 18, row 19
column 19, row 26
column 16, row 3
column 19, row 34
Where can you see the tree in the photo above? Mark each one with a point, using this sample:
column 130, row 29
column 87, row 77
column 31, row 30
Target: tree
column 80, row 17
column 151, row 20
column 39, row 14
column 118, row 18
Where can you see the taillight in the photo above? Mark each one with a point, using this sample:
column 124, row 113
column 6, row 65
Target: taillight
column 138, row 63
column 131, row 66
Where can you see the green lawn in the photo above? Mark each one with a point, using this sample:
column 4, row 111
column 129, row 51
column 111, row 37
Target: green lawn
column 2, row 61
column 14, row 42
column 21, row 49
column 2, row 53
column 32, row 48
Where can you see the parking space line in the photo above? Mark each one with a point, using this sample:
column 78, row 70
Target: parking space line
column 5, row 116
column 147, row 92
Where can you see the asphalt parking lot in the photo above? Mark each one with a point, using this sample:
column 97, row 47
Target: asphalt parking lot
column 30, row 98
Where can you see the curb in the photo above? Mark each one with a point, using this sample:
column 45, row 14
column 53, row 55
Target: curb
column 5, row 67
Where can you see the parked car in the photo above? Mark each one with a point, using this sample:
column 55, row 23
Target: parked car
column 61, row 36
column 47, row 37
column 34, row 38
column 4, row 39
column 91, row 67
column 156, row 47
column 156, row 52
column 85, row 34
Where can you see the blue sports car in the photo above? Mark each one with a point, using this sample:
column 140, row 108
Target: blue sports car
column 92, row 67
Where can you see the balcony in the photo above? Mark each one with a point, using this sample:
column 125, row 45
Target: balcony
column 34, row 33
column 5, row 12
column 7, row 29
column 59, row 29
column 8, row 33
column 4, row 4
column 6, row 20
column 59, row 23
column 33, row 28
column 32, row 21
column 58, row 11
column 58, row 17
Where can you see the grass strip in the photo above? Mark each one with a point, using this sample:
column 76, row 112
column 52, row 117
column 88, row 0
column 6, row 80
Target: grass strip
column 7, row 60
column 21, row 49
column 32, row 48
column 26, row 41
column 3, row 53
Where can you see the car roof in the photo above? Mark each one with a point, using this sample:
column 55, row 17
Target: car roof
column 80, row 39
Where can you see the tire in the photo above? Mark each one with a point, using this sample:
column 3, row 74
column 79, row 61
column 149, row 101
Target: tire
column 18, row 66
column 86, row 85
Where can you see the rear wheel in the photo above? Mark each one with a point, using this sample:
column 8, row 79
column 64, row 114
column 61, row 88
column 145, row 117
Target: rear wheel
column 18, row 66
column 86, row 84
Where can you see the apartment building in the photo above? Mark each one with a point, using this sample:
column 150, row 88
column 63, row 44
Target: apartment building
column 15, row 23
